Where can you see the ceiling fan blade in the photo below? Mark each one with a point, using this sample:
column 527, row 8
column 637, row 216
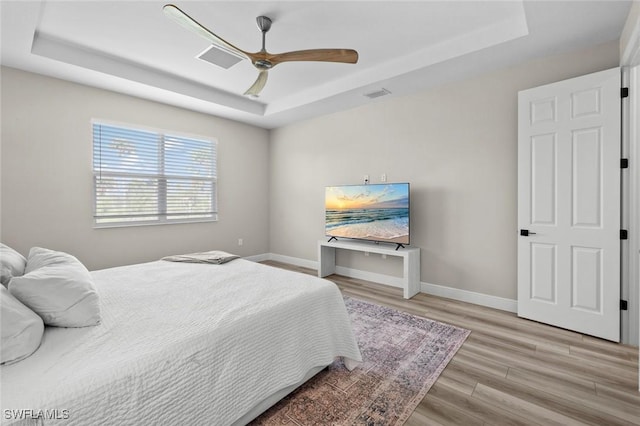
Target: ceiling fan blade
column 257, row 87
column 348, row 56
column 175, row 13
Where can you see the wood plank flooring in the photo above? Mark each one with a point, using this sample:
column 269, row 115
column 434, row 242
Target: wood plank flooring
column 512, row 371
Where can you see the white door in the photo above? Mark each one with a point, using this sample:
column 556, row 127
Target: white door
column 569, row 204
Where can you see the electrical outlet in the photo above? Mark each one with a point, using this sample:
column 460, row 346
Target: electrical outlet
column 240, row 242
column 383, row 178
column 366, row 253
column 384, row 256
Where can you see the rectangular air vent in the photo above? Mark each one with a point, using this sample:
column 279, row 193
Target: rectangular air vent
column 377, row 93
column 220, row 56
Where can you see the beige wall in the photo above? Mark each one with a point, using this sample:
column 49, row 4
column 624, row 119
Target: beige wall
column 630, row 37
column 46, row 191
column 455, row 144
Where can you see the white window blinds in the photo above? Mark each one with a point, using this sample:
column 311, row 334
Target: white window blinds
column 146, row 177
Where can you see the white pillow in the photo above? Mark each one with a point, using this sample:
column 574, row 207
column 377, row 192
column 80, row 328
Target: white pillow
column 59, row 288
column 21, row 329
column 12, row 264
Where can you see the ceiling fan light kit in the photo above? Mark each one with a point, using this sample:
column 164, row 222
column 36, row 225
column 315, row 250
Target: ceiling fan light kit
column 263, row 61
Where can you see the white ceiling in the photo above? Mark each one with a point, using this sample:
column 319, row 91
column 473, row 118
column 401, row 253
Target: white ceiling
column 132, row 47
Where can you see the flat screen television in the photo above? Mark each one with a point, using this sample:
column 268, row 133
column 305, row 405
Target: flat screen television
column 374, row 212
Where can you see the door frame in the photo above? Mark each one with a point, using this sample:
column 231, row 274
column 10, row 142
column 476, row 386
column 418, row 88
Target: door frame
column 630, row 63
column 634, row 136
column 630, row 220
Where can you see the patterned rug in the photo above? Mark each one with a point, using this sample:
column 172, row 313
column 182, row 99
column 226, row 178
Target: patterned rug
column 403, row 356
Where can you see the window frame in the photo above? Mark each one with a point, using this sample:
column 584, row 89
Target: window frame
column 162, row 188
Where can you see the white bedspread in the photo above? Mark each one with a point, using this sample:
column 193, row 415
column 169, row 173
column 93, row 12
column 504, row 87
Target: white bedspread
column 183, row 344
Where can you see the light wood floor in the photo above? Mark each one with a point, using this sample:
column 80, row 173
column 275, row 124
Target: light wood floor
column 512, row 371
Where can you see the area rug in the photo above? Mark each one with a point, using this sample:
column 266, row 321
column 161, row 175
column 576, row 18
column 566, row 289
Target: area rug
column 403, row 357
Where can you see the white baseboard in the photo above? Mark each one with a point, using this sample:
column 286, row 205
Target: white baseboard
column 481, row 299
column 369, row 276
column 296, row 261
column 504, row 304
column 259, row 257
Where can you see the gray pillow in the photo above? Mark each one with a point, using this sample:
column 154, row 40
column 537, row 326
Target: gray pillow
column 21, row 329
column 59, row 288
column 12, row 264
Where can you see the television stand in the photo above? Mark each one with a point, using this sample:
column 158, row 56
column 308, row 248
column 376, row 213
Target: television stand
column 410, row 257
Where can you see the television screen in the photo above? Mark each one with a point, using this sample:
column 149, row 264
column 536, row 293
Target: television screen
column 375, row 212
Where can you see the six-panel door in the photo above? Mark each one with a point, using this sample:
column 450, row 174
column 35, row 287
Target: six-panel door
column 569, row 202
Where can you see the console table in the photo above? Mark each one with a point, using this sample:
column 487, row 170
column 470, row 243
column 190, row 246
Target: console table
column 410, row 260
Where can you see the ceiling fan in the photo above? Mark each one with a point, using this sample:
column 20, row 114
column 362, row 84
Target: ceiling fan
column 262, row 60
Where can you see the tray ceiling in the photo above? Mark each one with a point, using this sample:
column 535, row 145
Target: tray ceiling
column 132, row 47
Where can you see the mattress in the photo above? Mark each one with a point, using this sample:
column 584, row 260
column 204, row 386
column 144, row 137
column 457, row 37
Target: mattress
column 182, row 343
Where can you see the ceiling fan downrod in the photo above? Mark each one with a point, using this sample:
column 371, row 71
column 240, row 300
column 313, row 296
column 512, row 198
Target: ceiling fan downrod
column 264, row 25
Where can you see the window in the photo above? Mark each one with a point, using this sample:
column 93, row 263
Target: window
column 145, row 177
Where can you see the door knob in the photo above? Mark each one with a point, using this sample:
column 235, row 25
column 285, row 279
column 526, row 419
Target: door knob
column 526, row 232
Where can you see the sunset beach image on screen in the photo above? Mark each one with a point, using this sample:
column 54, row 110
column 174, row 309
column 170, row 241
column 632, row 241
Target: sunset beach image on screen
column 376, row 212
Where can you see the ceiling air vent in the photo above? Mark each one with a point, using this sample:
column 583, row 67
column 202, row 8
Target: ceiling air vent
column 377, row 93
column 219, row 56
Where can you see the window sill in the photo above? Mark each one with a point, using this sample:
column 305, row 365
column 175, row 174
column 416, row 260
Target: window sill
column 165, row 222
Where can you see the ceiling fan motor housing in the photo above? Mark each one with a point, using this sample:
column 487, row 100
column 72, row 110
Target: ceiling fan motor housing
column 263, row 64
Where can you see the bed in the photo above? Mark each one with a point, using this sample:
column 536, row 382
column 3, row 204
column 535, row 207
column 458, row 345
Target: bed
column 184, row 343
